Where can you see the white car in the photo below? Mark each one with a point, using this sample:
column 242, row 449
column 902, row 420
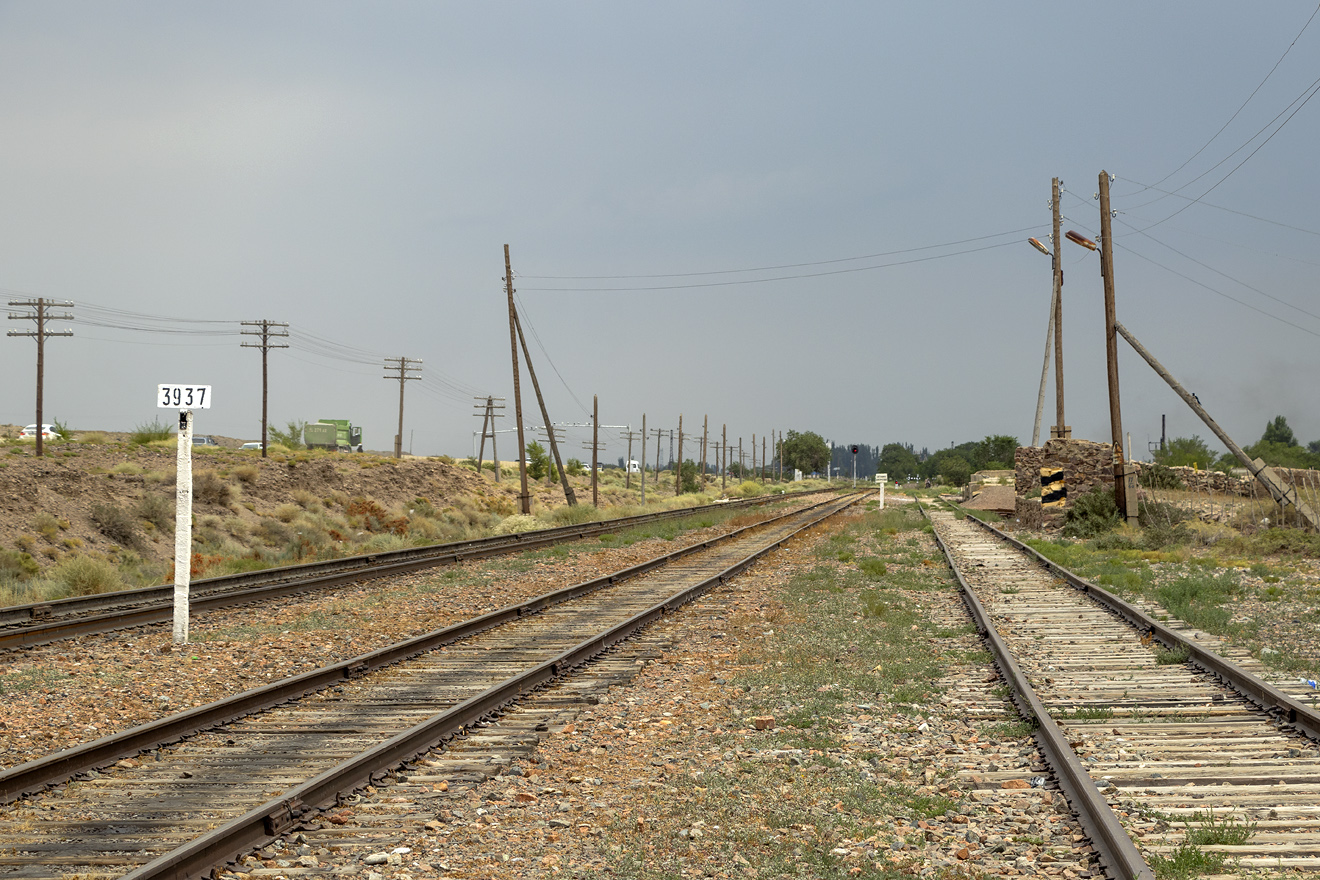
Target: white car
column 30, row 432
column 255, row 444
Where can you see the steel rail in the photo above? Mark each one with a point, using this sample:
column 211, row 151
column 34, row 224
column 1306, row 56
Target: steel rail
column 1115, row 848
column 64, row 618
column 39, row 773
column 1274, row 701
column 279, row 815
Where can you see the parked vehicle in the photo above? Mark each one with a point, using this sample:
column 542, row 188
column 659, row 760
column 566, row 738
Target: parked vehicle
column 254, row 444
column 206, row 440
column 48, row 432
column 337, row 434
column 634, row 467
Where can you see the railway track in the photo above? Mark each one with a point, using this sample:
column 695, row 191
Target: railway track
column 1169, row 753
column 45, row 622
column 263, row 763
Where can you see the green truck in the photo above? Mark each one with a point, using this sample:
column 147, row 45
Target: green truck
column 333, row 434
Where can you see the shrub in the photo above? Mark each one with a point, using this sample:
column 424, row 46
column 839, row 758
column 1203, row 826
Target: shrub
column 84, row 576
column 290, row 438
column 210, row 488
column 157, row 510
column 126, row 468
column 521, row 522
column 247, row 473
column 1158, row 476
column 46, row 525
column 115, row 523
column 1092, row 514
column 17, row 565
column 574, row 467
column 148, row 432
column 92, row 437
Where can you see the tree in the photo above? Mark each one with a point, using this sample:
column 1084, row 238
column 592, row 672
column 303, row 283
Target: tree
column 1185, row 452
column 538, row 462
column 574, row 467
column 997, row 449
column 955, row 471
column 898, row 461
column 290, row 437
column 807, row 452
column 1278, row 432
column 688, row 475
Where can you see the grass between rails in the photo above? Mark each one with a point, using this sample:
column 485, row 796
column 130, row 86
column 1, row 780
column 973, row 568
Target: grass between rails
column 845, row 640
column 1205, row 590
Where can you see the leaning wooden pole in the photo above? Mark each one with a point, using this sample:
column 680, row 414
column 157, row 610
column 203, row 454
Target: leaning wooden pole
column 549, row 429
column 1280, row 491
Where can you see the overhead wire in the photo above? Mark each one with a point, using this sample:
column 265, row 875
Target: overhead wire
column 1201, row 284
column 709, row 284
column 1244, row 103
column 526, row 320
column 781, row 266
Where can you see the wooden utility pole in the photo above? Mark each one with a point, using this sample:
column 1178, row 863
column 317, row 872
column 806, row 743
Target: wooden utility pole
column 1127, row 501
column 1061, row 430
column 489, row 416
column 403, row 371
column 524, row 499
column 724, row 469
column 41, row 316
column 629, row 435
column 265, row 333
column 762, row 459
column 678, row 470
column 536, row 386
column 643, row 466
column 595, row 446
column 705, row 427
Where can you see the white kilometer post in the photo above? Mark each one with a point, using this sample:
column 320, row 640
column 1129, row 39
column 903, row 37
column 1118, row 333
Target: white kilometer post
column 182, row 398
column 882, row 479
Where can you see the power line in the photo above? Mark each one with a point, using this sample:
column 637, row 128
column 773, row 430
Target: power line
column 1244, row 103
column 782, row 266
column 782, row 277
column 522, row 310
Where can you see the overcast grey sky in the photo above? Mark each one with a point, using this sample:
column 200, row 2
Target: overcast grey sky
column 355, row 169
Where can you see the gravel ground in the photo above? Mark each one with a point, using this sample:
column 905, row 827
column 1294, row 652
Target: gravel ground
column 56, row 696
column 619, row 786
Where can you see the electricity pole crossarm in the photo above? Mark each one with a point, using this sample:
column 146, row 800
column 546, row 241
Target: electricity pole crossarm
column 265, row 330
column 403, row 369
column 40, row 316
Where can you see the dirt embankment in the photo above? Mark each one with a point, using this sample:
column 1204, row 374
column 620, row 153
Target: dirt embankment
column 74, row 477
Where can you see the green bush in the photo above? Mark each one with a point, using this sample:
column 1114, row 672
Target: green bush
column 574, row 467
column 17, row 565
column 291, row 436
column 84, row 576
column 210, row 488
column 1158, row 476
column 149, row 432
column 538, row 461
column 116, row 524
column 1092, row 514
column 157, row 510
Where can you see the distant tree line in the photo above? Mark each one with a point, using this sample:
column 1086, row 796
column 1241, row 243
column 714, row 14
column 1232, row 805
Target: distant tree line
column 1278, row 446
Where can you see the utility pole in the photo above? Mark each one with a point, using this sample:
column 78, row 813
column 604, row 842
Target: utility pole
column 630, row 435
column 643, row 466
column 489, row 416
column 1061, row 430
column 1127, row 502
column 724, row 470
column 678, row 469
column 705, row 426
column 403, row 371
column 753, row 455
column 742, row 468
column 265, row 330
column 41, row 316
column 659, row 432
column 525, row 499
column 763, row 460
column 536, row 386
column 594, row 446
